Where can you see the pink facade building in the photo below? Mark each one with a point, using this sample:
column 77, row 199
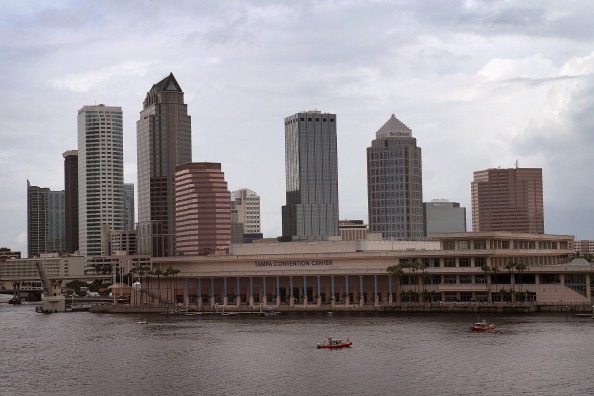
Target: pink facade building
column 202, row 210
column 508, row 200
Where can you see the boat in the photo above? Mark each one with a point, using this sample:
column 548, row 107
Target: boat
column 268, row 312
column 334, row 342
column 15, row 300
column 143, row 322
column 481, row 326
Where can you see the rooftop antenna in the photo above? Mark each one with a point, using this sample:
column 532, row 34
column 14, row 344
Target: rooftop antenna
column 517, row 164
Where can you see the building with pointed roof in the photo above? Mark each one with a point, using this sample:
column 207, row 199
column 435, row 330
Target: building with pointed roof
column 395, row 183
column 164, row 141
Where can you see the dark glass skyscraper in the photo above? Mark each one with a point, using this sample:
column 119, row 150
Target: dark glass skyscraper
column 164, row 141
column 129, row 216
column 71, row 200
column 395, row 183
column 311, row 212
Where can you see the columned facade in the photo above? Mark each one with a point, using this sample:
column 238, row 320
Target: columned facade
column 464, row 269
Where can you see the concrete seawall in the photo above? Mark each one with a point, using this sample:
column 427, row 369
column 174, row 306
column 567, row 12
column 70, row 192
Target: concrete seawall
column 432, row 307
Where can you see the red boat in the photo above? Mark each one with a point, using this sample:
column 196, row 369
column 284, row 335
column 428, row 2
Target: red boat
column 334, row 343
column 482, row 326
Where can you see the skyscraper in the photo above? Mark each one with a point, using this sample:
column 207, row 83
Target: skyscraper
column 202, row 210
column 395, row 183
column 163, row 142
column 100, row 174
column 508, row 200
column 311, row 211
column 129, row 206
column 71, row 200
column 45, row 220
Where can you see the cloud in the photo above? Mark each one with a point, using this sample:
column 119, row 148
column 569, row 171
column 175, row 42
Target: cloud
column 90, row 80
column 535, row 67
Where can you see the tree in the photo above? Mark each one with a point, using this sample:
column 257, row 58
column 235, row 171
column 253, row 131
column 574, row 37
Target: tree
column 395, row 270
column 510, row 266
column 520, row 267
column 486, row 269
column 158, row 273
column 495, row 270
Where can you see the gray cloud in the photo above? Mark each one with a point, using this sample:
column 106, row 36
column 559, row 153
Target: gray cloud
column 244, row 66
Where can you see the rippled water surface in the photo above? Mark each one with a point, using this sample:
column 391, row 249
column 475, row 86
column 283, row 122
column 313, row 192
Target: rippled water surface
column 392, row 354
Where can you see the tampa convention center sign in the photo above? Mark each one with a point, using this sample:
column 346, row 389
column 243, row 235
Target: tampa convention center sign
column 296, row 263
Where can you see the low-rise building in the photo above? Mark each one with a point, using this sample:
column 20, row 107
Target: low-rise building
column 458, row 267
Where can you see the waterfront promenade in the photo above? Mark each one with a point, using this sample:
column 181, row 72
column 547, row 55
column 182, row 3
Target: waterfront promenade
column 395, row 307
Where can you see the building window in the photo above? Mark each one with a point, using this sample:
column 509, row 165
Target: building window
column 449, row 262
column 480, row 244
column 464, row 262
column 479, row 279
column 465, row 279
column 479, row 261
column 449, row 245
column 449, row 279
column 463, row 245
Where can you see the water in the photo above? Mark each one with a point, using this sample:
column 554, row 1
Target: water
column 392, row 354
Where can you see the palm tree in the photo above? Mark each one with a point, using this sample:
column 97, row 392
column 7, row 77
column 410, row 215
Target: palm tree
column 510, row 266
column 416, row 267
column 487, row 269
column 495, row 270
column 158, row 272
column 520, row 267
column 395, row 270
column 174, row 272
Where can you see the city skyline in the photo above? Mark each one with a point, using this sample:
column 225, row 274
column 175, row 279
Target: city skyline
column 482, row 84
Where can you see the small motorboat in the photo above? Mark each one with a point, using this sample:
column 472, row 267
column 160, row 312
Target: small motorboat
column 482, row 326
column 335, row 343
column 143, row 322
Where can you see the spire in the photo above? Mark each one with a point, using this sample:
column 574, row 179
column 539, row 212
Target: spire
column 169, row 83
column 393, row 128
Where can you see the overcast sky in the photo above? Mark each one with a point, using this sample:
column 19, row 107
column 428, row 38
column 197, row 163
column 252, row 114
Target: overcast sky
column 480, row 83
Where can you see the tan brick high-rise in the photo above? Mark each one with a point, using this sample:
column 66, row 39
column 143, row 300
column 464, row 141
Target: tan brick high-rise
column 508, row 200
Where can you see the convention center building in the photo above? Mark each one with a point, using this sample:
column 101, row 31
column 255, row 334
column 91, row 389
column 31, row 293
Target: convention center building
column 463, row 267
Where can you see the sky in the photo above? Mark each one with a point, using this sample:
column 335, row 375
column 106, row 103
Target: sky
column 482, row 84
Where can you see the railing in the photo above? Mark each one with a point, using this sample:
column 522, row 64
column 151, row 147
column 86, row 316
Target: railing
column 155, row 296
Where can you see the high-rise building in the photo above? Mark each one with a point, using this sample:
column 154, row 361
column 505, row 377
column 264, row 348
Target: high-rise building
column 395, row 183
column 55, row 222
column 202, row 210
column 129, row 218
column 71, row 200
column 163, row 142
column 311, row 164
column 100, row 174
column 45, row 220
column 441, row 216
column 245, row 208
column 508, row 200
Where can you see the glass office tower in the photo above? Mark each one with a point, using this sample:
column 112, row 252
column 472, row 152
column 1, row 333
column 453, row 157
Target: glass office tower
column 311, row 212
